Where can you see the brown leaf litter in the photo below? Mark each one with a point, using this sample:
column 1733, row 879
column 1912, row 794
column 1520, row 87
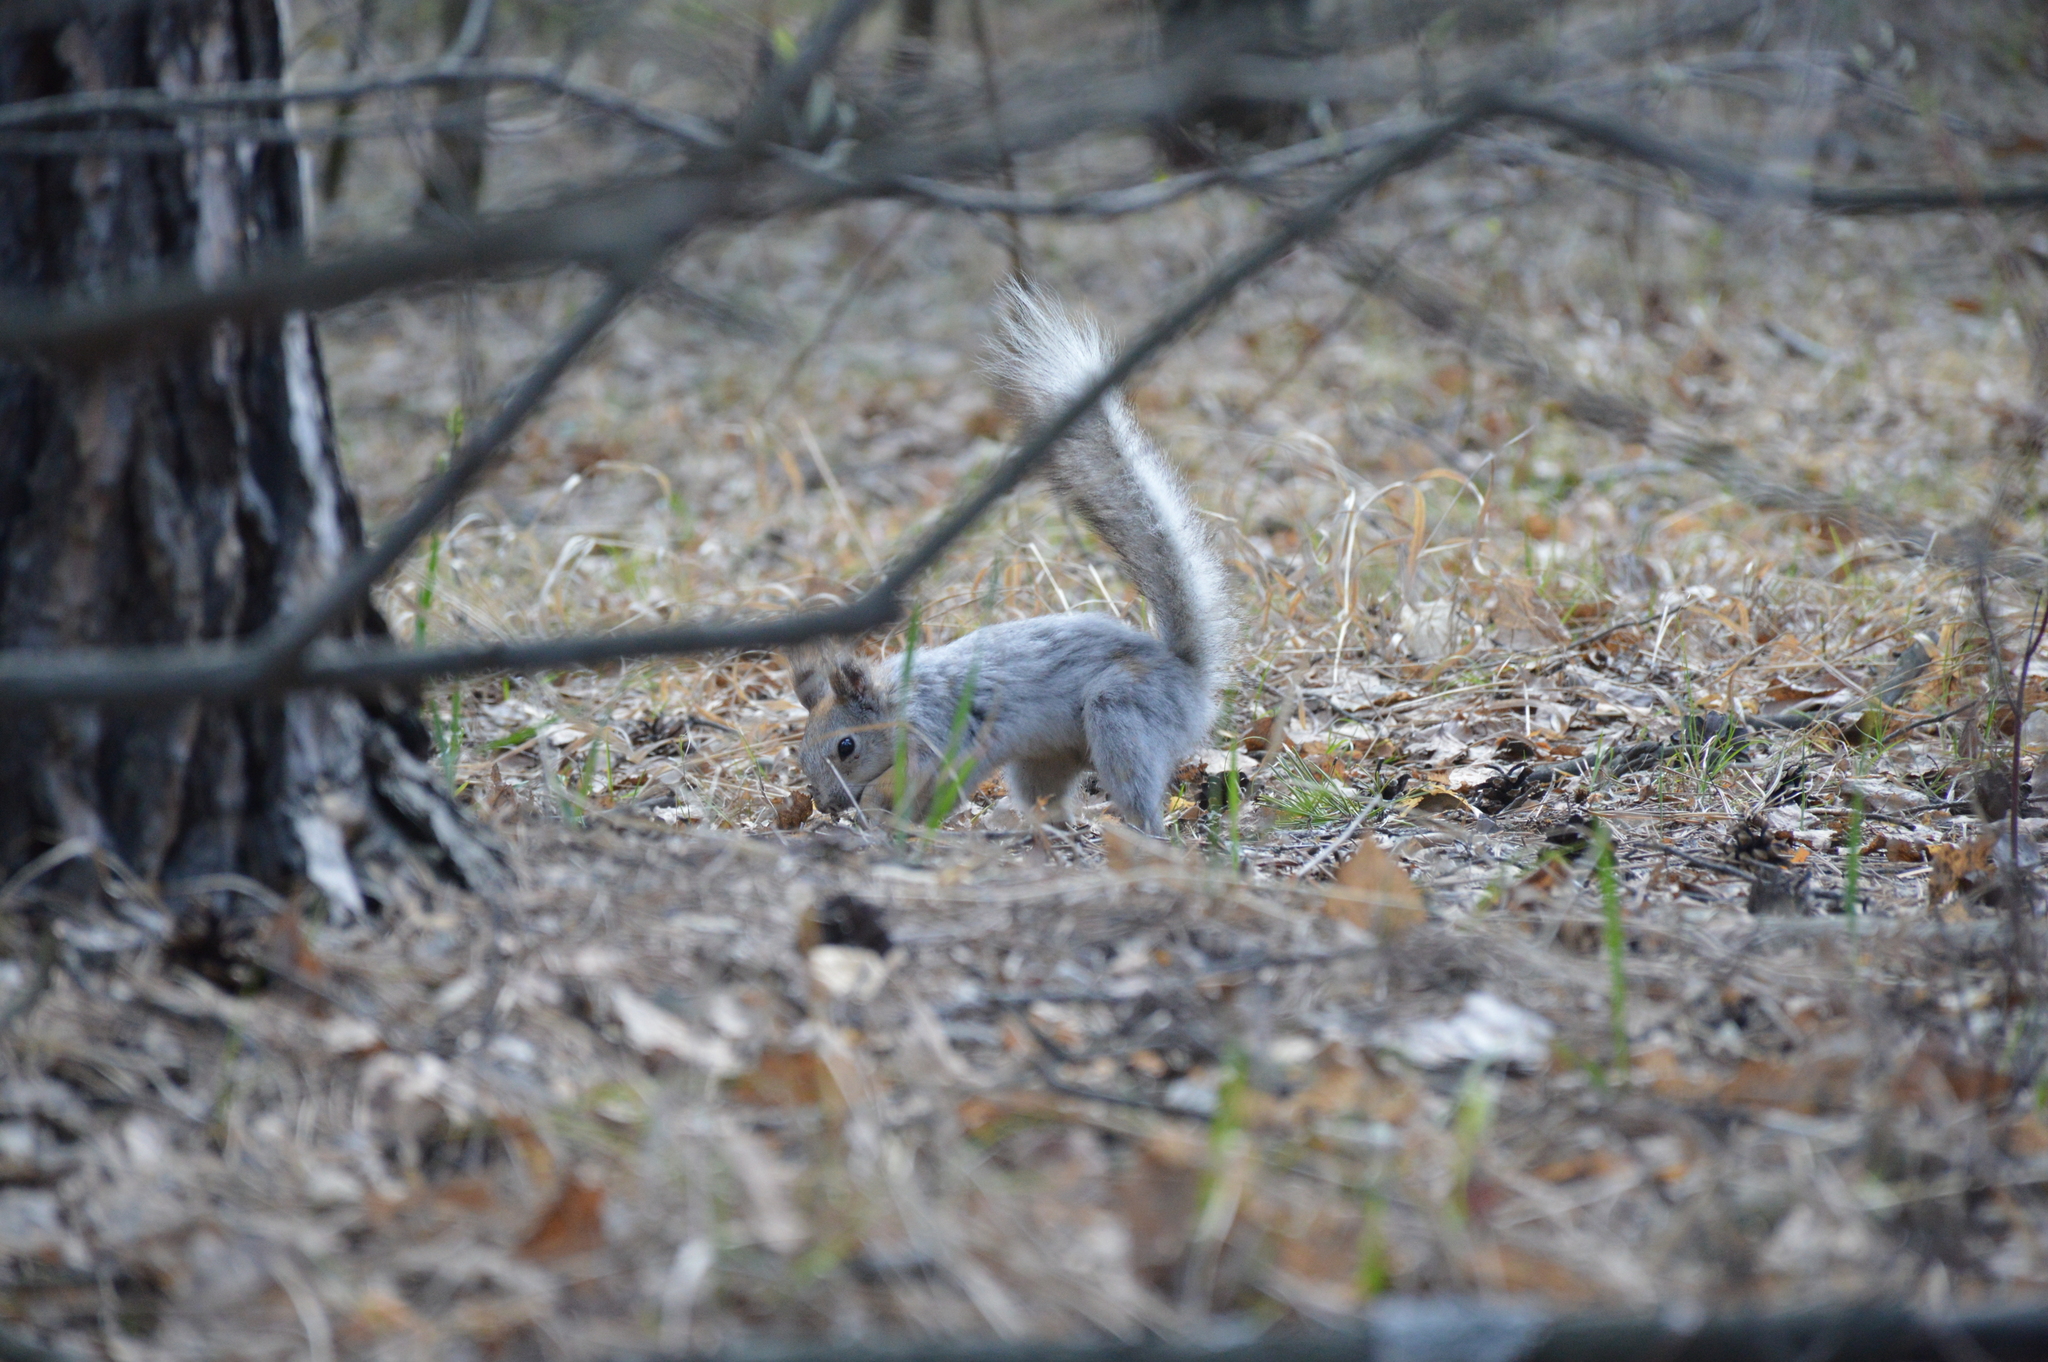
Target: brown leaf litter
column 718, row 1072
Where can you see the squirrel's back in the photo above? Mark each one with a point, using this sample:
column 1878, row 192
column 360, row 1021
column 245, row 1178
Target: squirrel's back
column 1109, row 473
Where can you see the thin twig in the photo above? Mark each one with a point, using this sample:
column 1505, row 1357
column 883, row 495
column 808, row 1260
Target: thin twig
column 266, row 94
column 856, row 279
column 144, row 675
column 277, row 655
column 596, row 226
column 1315, row 862
column 469, row 463
column 623, row 234
column 984, row 48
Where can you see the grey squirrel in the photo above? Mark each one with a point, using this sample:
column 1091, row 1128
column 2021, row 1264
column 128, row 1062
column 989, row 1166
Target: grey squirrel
column 1045, row 698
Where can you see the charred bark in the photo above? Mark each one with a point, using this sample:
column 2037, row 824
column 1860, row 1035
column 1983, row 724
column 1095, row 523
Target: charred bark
column 183, row 493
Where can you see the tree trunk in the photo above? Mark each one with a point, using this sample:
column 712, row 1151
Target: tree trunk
column 917, row 26
column 182, row 493
column 1276, row 28
column 454, row 174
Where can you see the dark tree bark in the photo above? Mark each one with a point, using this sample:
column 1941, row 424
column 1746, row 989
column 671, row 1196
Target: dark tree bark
column 334, row 165
column 179, row 493
column 917, row 25
column 1278, row 28
column 454, row 173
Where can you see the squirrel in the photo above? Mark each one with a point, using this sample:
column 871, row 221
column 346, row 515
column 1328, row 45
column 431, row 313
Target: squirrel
column 1048, row 697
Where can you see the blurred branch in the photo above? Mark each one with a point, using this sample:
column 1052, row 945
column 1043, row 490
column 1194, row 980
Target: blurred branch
column 1414, row 1329
column 142, row 142
column 268, row 94
column 603, row 223
column 334, row 165
column 276, row 656
column 608, row 231
column 1630, row 139
column 286, row 656
column 598, row 226
column 1727, row 72
column 623, row 230
column 1634, row 421
column 22, row 16
column 1144, row 197
column 469, row 463
column 469, row 37
column 16, row 1348
column 1438, row 77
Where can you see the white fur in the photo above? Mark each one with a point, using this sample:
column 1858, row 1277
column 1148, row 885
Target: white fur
column 1047, row 356
column 1049, row 697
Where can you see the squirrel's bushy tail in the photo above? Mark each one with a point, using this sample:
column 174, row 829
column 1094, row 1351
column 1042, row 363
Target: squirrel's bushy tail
column 1109, row 473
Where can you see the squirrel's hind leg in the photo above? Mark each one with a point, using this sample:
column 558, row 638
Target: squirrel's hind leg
column 1046, row 779
column 1132, row 758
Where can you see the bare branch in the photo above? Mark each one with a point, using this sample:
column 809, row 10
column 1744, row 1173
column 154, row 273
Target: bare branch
column 754, row 127
column 610, row 231
column 1443, row 77
column 600, row 227
column 270, row 94
column 275, row 656
column 1121, row 200
column 1313, row 220
column 476, row 21
column 164, row 675
column 1631, row 140
column 168, row 143
column 624, row 229
column 605, row 224
column 477, row 454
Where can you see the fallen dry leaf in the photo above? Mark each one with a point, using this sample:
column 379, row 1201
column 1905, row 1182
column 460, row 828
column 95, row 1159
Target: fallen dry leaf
column 988, row 1114
column 573, row 1224
column 1959, row 870
column 471, row 1194
column 1522, row 618
column 1127, row 851
column 790, row 813
column 1353, row 1086
column 1809, row 1087
column 782, row 1078
column 1372, row 891
column 1599, row 1162
column 1260, row 735
column 2025, row 1136
column 654, row 1030
column 1517, row 1269
column 376, row 1315
column 1658, row 1068
column 1536, row 891
column 1935, row 1079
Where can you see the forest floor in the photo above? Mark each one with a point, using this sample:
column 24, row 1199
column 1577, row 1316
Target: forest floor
column 1515, row 970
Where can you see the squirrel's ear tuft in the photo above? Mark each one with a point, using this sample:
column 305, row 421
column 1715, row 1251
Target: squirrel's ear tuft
column 850, row 681
column 812, row 673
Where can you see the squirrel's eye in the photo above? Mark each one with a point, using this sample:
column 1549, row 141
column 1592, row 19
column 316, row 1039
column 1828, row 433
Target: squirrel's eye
column 846, row 746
